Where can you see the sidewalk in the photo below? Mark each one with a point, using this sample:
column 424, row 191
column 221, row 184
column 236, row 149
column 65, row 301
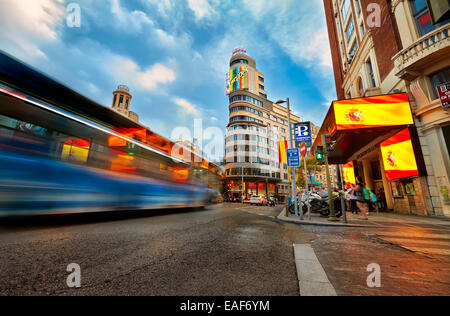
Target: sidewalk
column 376, row 220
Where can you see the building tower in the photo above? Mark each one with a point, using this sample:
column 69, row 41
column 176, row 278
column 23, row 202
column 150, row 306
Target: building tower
column 256, row 125
column 121, row 102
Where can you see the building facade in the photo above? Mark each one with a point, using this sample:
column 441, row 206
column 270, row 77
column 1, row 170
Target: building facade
column 389, row 46
column 256, row 125
column 121, row 102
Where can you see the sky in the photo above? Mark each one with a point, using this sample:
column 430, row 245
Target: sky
column 173, row 54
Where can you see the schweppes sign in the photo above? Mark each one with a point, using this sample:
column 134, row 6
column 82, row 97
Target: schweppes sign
column 236, row 79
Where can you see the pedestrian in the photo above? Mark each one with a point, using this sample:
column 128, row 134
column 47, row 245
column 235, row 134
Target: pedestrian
column 382, row 199
column 361, row 201
column 352, row 198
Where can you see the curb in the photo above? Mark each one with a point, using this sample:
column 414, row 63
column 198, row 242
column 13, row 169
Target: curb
column 283, row 218
column 312, row 279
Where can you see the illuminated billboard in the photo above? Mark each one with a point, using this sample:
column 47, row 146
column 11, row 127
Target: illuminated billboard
column 236, row 79
column 386, row 110
column 398, row 156
column 349, row 174
column 76, row 150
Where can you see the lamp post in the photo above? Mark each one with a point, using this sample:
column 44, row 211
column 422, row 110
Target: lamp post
column 294, row 186
column 243, row 193
column 332, row 217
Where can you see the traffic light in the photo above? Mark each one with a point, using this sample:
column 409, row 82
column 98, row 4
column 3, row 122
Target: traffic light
column 319, row 153
column 329, row 142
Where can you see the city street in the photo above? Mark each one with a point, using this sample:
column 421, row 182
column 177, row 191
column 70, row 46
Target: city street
column 229, row 249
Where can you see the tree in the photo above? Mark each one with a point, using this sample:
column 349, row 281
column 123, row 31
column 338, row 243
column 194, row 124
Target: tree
column 312, row 165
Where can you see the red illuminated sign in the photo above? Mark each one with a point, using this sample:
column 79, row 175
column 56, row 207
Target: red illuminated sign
column 444, row 94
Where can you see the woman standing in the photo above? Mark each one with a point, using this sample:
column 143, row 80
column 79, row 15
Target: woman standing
column 361, row 199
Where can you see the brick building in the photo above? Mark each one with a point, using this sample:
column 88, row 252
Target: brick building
column 382, row 47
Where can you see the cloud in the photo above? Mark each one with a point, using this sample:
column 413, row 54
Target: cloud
column 201, row 8
column 298, row 27
column 164, row 7
column 149, row 79
column 26, row 24
column 186, row 106
column 129, row 21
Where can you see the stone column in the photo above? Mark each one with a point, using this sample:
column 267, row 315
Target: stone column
column 368, row 178
column 386, row 186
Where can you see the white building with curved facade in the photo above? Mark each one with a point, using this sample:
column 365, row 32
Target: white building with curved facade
column 256, row 125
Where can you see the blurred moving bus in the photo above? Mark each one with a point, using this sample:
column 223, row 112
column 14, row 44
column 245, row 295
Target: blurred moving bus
column 61, row 152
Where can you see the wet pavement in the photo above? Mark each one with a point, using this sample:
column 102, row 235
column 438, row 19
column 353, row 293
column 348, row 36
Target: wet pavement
column 230, row 249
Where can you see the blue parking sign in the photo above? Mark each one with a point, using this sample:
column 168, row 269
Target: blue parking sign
column 302, row 133
column 293, row 157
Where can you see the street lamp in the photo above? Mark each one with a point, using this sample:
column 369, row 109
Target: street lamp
column 294, row 186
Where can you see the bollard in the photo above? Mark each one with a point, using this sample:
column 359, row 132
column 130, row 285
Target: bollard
column 300, row 207
column 344, row 208
column 308, row 205
column 287, row 207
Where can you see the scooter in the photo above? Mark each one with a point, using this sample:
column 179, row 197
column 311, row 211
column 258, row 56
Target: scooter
column 319, row 205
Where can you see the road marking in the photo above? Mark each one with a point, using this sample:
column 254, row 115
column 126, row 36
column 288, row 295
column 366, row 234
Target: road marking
column 427, row 243
column 418, row 241
column 312, row 278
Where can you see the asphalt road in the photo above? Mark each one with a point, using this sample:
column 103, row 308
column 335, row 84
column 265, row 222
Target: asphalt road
column 218, row 251
column 228, row 250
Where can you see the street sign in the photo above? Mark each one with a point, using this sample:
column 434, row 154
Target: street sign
column 302, row 133
column 444, row 94
column 303, row 150
column 293, row 157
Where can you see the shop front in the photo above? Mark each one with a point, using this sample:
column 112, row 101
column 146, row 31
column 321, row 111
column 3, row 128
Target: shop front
column 376, row 138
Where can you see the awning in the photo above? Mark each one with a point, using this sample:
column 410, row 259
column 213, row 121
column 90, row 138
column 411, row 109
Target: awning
column 356, row 123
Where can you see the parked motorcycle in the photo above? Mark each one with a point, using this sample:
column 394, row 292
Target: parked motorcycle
column 319, row 205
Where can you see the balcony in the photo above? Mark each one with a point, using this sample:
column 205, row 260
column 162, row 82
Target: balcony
column 428, row 49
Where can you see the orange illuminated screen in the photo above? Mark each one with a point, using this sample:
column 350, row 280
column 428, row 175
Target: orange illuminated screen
column 349, row 174
column 76, row 150
column 387, row 110
column 398, row 156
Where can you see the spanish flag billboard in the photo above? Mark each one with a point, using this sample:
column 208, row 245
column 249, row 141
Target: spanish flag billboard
column 398, row 156
column 349, row 174
column 386, row 110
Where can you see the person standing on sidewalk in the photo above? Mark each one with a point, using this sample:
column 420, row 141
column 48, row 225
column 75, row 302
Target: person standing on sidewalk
column 361, row 201
column 351, row 199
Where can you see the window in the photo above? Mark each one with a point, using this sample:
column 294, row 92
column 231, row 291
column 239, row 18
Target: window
column 439, row 78
column 239, row 61
column 261, row 78
column 245, row 108
column 358, row 6
column 350, row 30
column 245, row 118
column 338, row 25
column 353, row 50
column 120, row 101
column 262, row 95
column 371, row 73
column 261, row 87
column 362, row 29
column 360, row 87
column 246, row 98
column 423, row 18
column 283, row 130
column 345, row 9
